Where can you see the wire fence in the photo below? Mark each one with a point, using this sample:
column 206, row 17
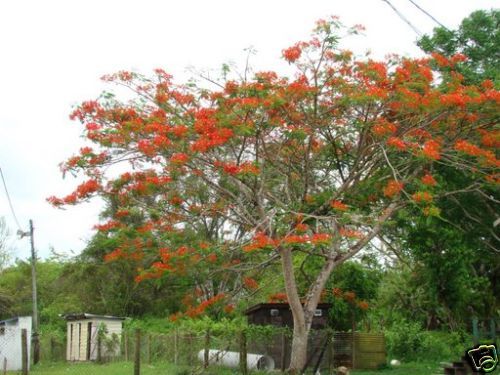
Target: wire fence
column 207, row 352
column 14, row 350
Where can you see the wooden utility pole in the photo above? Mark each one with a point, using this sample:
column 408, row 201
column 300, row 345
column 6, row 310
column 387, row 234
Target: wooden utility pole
column 35, row 337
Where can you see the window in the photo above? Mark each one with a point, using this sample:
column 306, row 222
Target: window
column 318, row 312
column 274, row 312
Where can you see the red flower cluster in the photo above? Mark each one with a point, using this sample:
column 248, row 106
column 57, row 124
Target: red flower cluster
column 428, row 180
column 338, row 205
column 179, row 158
column 301, row 228
column 250, row 283
column 431, row 149
column 422, row 197
column 119, row 253
column 320, row 238
column 278, row 297
column 397, row 143
column 83, row 191
column 260, row 241
column 350, row 233
column 293, row 53
column 384, row 127
column 110, row 225
column 200, row 309
column 393, row 188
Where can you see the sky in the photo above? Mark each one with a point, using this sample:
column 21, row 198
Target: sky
column 52, row 54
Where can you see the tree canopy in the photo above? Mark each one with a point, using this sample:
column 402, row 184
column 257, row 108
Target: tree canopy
column 216, row 183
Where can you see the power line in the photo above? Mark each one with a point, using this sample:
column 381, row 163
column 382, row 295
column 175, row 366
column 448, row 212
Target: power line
column 403, row 17
column 428, row 14
column 10, row 202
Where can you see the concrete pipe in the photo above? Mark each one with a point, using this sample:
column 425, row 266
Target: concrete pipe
column 232, row 359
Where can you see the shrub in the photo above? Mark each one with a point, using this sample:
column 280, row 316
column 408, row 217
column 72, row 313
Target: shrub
column 407, row 341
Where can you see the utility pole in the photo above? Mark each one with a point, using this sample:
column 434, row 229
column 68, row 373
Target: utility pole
column 34, row 336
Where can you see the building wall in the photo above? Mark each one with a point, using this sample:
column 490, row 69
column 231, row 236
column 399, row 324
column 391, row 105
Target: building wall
column 78, row 346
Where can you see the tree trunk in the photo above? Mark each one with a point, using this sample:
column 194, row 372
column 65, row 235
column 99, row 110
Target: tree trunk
column 300, row 326
column 299, row 350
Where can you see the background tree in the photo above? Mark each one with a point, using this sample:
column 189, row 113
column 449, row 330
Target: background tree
column 463, row 237
column 478, row 38
column 5, row 298
column 270, row 168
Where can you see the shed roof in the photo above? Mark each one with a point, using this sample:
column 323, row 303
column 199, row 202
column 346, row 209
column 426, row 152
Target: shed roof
column 279, row 305
column 83, row 316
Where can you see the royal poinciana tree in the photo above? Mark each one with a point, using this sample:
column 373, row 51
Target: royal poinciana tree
column 272, row 167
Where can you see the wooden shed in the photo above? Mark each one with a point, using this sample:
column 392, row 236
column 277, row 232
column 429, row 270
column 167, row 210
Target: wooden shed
column 10, row 342
column 280, row 315
column 82, row 336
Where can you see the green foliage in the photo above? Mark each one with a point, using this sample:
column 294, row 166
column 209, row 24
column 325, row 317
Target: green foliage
column 353, row 277
column 478, row 37
column 407, row 341
column 15, row 281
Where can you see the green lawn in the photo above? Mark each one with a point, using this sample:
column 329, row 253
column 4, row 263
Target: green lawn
column 126, row 368
column 412, row 368
column 119, row 368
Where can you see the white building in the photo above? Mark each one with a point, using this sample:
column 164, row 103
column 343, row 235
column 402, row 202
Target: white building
column 82, row 336
column 10, row 342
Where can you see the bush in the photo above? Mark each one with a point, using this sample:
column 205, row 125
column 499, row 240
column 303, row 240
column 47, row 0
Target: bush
column 407, row 341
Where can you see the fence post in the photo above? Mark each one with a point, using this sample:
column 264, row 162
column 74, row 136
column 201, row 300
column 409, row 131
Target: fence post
column 207, row 348
column 149, row 348
column 493, row 329
column 137, row 354
column 24, row 351
column 125, row 345
column 283, row 351
column 176, row 345
column 189, row 339
column 243, row 353
column 99, row 347
column 52, row 349
column 475, row 330
column 354, row 348
column 4, row 365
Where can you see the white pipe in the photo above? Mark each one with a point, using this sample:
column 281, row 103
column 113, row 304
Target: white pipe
column 232, row 359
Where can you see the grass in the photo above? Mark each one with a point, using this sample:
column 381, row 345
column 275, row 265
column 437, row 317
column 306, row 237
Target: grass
column 412, row 368
column 118, row 368
column 127, row 368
